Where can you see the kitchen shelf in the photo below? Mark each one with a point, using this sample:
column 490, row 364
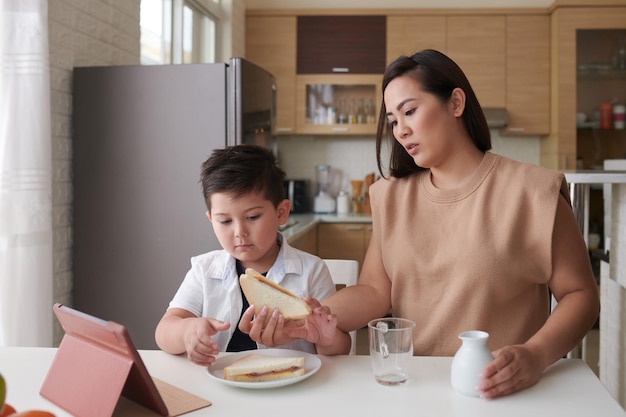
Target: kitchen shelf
column 605, row 73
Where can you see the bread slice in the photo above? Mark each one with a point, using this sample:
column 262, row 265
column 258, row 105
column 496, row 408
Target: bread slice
column 256, row 367
column 261, row 291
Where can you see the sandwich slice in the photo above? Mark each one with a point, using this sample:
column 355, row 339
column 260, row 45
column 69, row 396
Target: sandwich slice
column 256, row 367
column 260, row 291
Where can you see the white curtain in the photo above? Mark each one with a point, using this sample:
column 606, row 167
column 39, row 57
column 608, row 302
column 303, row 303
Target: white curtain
column 26, row 280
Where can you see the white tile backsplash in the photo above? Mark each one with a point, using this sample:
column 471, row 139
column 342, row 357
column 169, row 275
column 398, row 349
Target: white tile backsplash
column 353, row 157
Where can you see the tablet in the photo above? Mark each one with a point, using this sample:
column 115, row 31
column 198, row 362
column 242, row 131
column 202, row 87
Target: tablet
column 96, row 363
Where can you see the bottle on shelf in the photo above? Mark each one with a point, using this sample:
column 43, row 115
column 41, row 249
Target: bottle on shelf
column 351, row 112
column 360, row 113
column 370, row 112
column 342, row 118
column 606, row 115
column 619, row 111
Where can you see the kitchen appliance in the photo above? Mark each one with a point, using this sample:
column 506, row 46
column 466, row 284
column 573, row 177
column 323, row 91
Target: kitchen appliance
column 324, row 202
column 140, row 135
column 297, row 192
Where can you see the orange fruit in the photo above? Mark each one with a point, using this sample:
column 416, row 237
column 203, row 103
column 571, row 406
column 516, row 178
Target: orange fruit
column 33, row 413
column 7, row 410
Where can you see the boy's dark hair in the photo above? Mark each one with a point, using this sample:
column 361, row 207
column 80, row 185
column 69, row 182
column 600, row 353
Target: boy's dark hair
column 240, row 170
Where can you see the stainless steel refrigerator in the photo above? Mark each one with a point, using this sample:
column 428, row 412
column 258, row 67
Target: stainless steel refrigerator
column 140, row 135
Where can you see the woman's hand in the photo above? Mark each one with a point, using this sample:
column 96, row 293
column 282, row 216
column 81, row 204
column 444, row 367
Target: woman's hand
column 514, row 368
column 319, row 327
column 271, row 329
column 200, row 347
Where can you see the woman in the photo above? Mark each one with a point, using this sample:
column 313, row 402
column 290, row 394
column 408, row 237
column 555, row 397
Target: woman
column 465, row 239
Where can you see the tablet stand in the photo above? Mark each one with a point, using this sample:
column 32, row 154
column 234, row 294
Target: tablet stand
column 86, row 378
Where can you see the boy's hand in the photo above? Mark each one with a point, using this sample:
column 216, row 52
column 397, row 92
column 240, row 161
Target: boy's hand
column 200, row 348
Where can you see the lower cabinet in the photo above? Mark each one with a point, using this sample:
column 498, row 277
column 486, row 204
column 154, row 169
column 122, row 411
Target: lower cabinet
column 307, row 241
column 343, row 240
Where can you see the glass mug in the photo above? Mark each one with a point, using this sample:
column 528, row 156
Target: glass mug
column 391, row 349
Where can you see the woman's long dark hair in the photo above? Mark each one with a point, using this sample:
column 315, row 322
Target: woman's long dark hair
column 439, row 75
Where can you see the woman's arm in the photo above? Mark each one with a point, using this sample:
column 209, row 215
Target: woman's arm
column 356, row 305
column 574, row 287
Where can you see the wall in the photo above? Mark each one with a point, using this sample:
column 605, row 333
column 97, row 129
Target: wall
column 354, row 157
column 81, row 33
column 612, row 361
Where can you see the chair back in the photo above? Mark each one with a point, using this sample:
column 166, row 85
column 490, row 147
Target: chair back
column 344, row 272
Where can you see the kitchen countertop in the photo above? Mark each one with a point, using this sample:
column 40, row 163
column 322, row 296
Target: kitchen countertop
column 299, row 224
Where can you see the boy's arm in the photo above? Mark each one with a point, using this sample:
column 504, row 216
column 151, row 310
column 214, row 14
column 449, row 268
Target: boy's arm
column 179, row 331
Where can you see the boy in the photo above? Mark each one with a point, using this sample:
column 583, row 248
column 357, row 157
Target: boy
column 243, row 190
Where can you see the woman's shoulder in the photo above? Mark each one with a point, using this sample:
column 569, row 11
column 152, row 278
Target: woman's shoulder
column 527, row 178
column 525, row 169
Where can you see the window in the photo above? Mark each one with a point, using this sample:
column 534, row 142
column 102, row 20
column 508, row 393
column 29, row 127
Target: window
column 179, row 31
column 198, row 31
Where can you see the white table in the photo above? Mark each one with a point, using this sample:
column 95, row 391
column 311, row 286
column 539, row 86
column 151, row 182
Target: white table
column 343, row 386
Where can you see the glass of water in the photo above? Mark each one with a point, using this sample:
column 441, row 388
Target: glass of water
column 391, row 348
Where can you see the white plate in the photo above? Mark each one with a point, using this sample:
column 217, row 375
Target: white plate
column 312, row 364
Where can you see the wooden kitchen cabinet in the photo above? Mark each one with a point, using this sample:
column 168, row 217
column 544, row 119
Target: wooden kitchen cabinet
column 528, row 74
column 345, row 44
column 271, row 44
column 478, row 45
column 559, row 149
column 307, row 241
column 407, row 35
column 322, row 99
column 343, row 240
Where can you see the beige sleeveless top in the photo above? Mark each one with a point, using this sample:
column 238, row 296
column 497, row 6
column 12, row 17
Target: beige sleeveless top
column 473, row 258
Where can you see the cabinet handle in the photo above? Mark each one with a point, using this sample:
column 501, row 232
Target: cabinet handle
column 340, row 129
column 284, row 129
column 340, row 69
column 516, row 129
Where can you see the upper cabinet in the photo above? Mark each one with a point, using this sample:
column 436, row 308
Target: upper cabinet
column 559, row 150
column 409, row 34
column 528, row 74
column 478, row 45
column 506, row 58
column 340, row 63
column 271, row 44
column 341, row 44
column 345, row 104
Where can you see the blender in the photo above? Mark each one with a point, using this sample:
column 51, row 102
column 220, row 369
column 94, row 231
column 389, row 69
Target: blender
column 324, row 202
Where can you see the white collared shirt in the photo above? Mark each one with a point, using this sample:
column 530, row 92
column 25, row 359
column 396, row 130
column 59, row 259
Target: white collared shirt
column 211, row 287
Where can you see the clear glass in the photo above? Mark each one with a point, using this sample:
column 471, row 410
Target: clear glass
column 391, row 348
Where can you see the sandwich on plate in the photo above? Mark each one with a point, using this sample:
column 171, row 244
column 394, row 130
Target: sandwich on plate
column 256, row 367
column 260, row 291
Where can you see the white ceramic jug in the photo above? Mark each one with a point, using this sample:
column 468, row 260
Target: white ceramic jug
column 469, row 361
